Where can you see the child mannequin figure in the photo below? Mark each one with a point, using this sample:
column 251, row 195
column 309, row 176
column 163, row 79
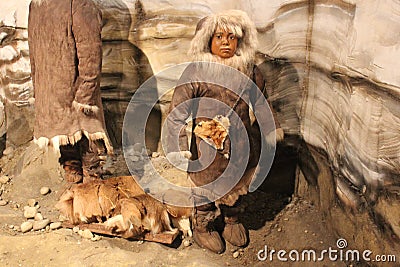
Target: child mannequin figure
column 229, row 40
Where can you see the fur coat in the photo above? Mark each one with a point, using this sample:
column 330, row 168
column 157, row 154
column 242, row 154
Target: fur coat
column 65, row 49
column 217, row 78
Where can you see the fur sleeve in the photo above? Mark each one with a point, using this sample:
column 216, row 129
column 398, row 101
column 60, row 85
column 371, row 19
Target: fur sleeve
column 86, row 27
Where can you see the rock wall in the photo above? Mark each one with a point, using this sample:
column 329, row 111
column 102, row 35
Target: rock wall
column 332, row 72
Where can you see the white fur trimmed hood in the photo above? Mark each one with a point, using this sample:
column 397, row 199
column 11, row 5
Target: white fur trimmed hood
column 240, row 24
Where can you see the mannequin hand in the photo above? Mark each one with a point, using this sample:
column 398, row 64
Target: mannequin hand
column 279, row 135
column 179, row 159
column 274, row 137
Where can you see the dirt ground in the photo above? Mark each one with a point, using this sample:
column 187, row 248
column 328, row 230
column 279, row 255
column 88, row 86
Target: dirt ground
column 276, row 221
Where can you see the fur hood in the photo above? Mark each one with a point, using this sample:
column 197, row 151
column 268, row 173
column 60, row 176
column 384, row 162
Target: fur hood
column 233, row 20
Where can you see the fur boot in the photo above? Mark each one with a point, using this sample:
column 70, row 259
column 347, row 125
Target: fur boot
column 234, row 232
column 204, row 229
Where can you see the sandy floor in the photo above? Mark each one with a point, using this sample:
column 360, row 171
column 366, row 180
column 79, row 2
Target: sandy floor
column 278, row 221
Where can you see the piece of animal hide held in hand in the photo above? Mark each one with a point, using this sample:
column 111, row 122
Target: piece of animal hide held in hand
column 213, row 132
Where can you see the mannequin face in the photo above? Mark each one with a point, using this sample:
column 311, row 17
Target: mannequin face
column 223, row 43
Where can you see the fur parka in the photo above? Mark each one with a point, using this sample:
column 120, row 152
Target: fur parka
column 65, row 49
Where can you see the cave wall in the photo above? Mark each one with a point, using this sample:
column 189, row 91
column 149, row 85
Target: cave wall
column 331, row 66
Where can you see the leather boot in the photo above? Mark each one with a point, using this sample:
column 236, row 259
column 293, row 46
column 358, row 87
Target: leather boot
column 73, row 171
column 234, row 232
column 204, row 233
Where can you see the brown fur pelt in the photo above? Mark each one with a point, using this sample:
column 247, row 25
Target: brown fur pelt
column 120, row 204
column 213, row 132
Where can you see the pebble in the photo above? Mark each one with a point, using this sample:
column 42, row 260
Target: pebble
column 39, row 225
column 55, row 225
column 9, row 150
column 29, row 212
column 306, row 231
column 138, row 147
column 85, row 234
column 31, row 202
column 96, row 238
column 135, row 158
column 140, row 242
column 3, row 202
column 155, row 154
column 4, row 179
column 38, row 216
column 186, row 243
column 44, row 190
column 290, row 205
column 75, row 229
column 26, row 226
column 279, row 229
column 235, row 254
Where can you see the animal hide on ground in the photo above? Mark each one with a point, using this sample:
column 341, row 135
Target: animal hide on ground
column 120, row 205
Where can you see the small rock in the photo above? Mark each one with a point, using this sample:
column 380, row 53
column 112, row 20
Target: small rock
column 9, row 150
column 38, row 216
column 235, row 254
column 279, row 229
column 44, row 190
column 4, row 179
column 55, row 225
column 140, row 242
column 75, row 229
column 306, row 231
column 138, row 147
column 3, row 202
column 155, row 154
column 29, row 212
column 26, row 226
column 39, row 225
column 31, row 202
column 96, row 238
column 85, row 234
column 11, row 226
column 186, row 243
column 62, row 218
column 16, row 228
column 290, row 205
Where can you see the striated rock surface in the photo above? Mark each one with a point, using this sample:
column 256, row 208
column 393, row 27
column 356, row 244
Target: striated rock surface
column 332, row 81
column 332, row 70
